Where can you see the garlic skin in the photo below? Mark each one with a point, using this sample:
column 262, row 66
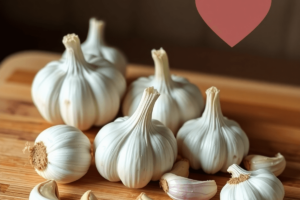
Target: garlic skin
column 96, row 46
column 135, row 149
column 61, row 153
column 75, row 92
column 47, row 190
column 143, row 196
column 212, row 142
column 88, row 195
column 176, row 184
column 179, row 99
column 275, row 164
column 255, row 185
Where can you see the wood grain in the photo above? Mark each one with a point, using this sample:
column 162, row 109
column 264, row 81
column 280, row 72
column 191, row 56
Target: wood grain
column 269, row 114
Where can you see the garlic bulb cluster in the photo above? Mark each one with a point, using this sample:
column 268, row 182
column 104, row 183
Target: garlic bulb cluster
column 88, row 195
column 96, row 46
column 61, row 153
column 176, row 184
column 47, row 190
column 275, row 164
column 179, row 99
column 143, row 196
column 78, row 93
column 212, row 142
column 255, row 185
column 135, row 149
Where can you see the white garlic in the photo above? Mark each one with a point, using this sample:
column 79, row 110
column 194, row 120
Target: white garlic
column 176, row 184
column 78, row 93
column 255, row 185
column 135, row 149
column 143, row 196
column 212, row 142
column 47, row 190
column 95, row 45
column 179, row 99
column 88, row 195
column 61, row 153
column 275, row 164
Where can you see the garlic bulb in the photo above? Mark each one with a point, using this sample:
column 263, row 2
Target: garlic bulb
column 143, row 196
column 179, row 99
column 176, row 184
column 61, row 153
column 212, row 142
column 47, row 190
column 256, row 185
column 276, row 164
column 95, row 45
column 135, row 149
column 75, row 92
column 88, row 195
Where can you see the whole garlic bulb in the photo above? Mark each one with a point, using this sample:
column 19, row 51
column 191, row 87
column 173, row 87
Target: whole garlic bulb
column 255, row 185
column 179, row 99
column 212, row 142
column 95, row 45
column 77, row 93
column 47, row 190
column 88, row 195
column 135, row 149
column 177, row 185
column 61, row 153
column 275, row 164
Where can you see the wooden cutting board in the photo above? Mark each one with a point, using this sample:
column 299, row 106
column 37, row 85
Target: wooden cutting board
column 268, row 113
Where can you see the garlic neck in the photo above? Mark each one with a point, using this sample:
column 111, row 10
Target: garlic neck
column 212, row 112
column 49, row 190
column 96, row 32
column 143, row 114
column 238, row 174
column 74, row 59
column 162, row 71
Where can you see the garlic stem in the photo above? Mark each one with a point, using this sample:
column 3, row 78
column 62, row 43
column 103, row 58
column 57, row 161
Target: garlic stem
column 162, row 71
column 49, row 190
column 95, row 35
column 143, row 113
column 143, row 196
column 238, row 174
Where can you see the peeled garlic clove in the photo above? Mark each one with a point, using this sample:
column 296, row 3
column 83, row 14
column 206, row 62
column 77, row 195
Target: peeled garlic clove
column 88, row 195
column 47, row 190
column 177, row 186
column 143, row 196
column 274, row 164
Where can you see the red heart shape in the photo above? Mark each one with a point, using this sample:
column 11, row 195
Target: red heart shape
column 233, row 20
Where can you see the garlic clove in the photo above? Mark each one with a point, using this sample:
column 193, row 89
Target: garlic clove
column 88, row 195
column 47, row 190
column 274, row 164
column 143, row 196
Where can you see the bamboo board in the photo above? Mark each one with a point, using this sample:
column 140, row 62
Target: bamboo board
column 268, row 113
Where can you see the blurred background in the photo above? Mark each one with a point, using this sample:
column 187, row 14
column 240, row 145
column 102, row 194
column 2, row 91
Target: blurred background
column 270, row 53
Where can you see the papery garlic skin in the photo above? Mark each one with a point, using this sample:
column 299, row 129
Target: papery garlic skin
column 95, row 45
column 78, row 93
column 179, row 99
column 68, row 153
column 88, row 195
column 274, row 164
column 258, row 185
column 212, row 142
column 135, row 149
column 47, row 190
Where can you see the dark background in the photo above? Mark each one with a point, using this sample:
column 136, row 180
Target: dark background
column 270, row 53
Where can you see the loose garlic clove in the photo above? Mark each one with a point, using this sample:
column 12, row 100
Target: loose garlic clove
column 178, row 186
column 143, row 196
column 88, row 195
column 47, row 190
column 274, row 164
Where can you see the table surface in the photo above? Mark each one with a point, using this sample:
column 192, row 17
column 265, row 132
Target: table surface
column 268, row 113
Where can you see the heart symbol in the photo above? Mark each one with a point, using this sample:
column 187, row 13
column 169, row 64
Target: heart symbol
column 233, row 20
